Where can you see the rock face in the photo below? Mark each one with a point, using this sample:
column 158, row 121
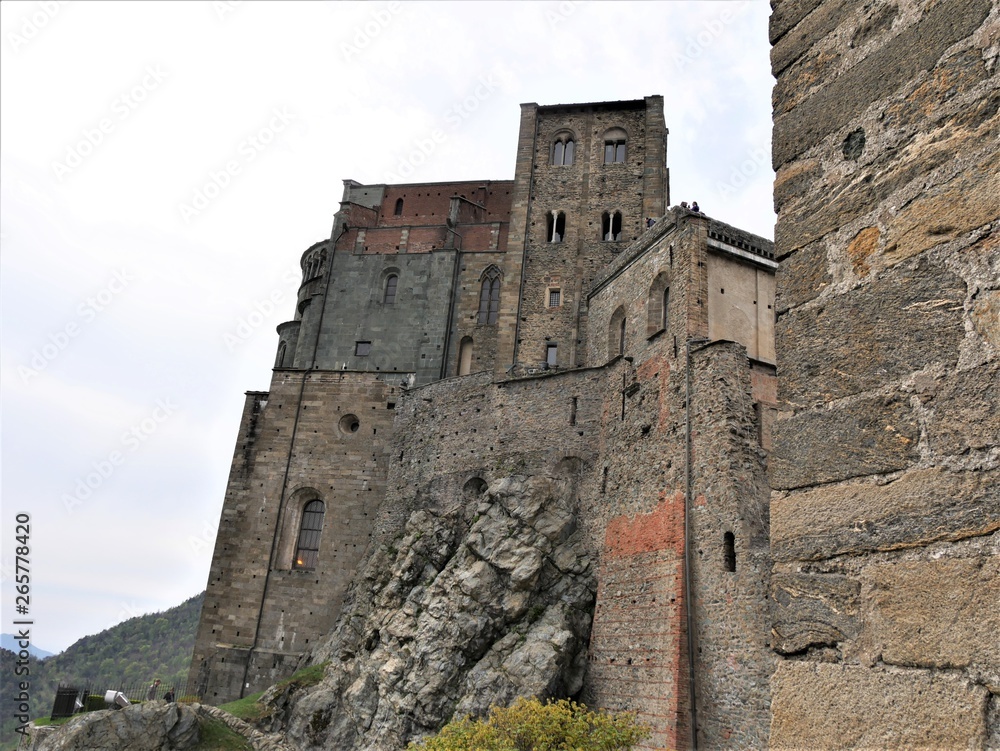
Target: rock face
column 477, row 602
column 151, row 726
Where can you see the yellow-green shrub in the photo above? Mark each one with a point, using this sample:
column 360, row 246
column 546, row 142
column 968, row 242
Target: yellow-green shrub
column 530, row 725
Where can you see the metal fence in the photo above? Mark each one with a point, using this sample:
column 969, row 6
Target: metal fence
column 104, row 695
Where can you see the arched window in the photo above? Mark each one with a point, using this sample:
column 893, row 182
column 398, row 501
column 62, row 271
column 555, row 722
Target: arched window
column 489, row 296
column 307, row 550
column 398, row 211
column 465, row 356
column 555, row 227
column 614, row 146
column 657, row 304
column 389, row 297
column 562, row 150
column 616, row 333
column 611, row 226
column 280, row 361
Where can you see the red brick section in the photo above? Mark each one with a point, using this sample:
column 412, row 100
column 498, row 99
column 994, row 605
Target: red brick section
column 638, row 644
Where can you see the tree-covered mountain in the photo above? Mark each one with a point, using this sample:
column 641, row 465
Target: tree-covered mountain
column 157, row 645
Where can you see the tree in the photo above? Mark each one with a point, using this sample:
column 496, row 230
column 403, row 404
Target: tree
column 529, row 725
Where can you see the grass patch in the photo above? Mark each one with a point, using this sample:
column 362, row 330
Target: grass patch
column 215, row 735
column 249, row 709
column 246, row 708
column 43, row 721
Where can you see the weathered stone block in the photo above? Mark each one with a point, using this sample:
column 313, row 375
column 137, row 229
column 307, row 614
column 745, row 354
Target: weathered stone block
column 819, row 706
column 786, row 15
column 802, row 276
column 907, row 318
column 941, row 614
column 966, row 411
column 906, row 55
column 869, row 436
column 921, row 507
column 820, row 22
column 946, row 212
column 813, row 610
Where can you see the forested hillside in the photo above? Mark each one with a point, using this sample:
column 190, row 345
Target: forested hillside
column 158, row 645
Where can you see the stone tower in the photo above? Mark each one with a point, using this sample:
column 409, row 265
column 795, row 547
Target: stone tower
column 457, row 336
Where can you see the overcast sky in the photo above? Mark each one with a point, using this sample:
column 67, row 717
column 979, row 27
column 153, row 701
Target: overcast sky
column 163, row 167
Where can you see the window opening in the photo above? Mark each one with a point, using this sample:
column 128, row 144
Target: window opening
column 307, row 552
column 621, row 337
column 666, row 301
column 562, row 151
column 398, row 211
column 611, row 226
column 390, row 290
column 281, row 356
column 362, row 349
column 614, row 151
column 556, row 227
column 729, row 551
column 465, row 356
column 572, row 410
column 489, row 296
column 555, row 298
column 551, row 355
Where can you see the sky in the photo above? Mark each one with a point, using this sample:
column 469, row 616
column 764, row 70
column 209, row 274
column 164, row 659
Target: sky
column 164, row 165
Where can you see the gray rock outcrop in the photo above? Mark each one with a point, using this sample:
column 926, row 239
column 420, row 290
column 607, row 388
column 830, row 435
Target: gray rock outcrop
column 151, row 726
column 477, row 603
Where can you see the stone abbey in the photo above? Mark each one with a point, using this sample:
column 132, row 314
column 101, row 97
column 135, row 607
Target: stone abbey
column 566, row 324
column 517, row 441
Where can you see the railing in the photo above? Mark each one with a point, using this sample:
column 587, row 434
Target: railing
column 72, row 700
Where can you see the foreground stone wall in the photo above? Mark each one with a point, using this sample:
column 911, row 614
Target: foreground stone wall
column 886, row 465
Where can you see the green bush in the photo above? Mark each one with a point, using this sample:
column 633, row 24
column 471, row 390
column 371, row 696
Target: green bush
column 529, row 725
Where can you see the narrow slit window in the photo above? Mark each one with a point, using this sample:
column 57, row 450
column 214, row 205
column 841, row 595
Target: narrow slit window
column 489, row 296
column 307, row 551
column 556, row 227
column 729, row 551
column 389, row 297
column 398, row 211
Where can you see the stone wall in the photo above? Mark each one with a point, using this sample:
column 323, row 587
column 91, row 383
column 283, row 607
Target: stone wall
column 886, row 463
column 296, row 444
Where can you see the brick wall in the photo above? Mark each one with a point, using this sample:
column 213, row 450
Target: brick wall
column 885, row 463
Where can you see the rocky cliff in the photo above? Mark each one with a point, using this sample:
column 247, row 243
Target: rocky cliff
column 480, row 599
